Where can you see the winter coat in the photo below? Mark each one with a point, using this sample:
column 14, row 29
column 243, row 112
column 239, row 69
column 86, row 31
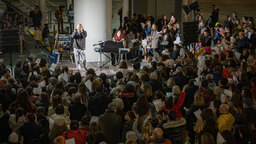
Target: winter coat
column 77, row 111
column 160, row 141
column 155, row 39
column 78, row 135
column 79, row 39
column 225, row 122
column 111, row 125
column 177, row 106
column 156, row 85
column 98, row 103
column 174, row 130
column 16, row 124
column 127, row 127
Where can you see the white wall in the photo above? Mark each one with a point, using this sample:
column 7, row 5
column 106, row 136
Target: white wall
column 96, row 17
column 155, row 7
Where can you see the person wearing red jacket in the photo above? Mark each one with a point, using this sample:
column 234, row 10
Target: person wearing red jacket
column 169, row 103
column 75, row 132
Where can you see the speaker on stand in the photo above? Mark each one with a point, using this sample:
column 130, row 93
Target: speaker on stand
column 189, row 34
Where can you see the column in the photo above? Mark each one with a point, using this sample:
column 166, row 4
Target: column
column 43, row 10
column 125, row 8
column 132, row 5
column 96, row 18
column 185, row 17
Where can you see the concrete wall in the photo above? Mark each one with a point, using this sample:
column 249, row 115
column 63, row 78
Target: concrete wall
column 155, row 7
column 242, row 7
column 140, row 6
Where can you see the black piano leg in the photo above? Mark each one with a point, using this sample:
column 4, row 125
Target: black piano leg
column 100, row 60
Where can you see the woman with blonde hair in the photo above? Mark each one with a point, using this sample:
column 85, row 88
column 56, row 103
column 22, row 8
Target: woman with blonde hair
column 198, row 104
column 176, row 92
column 145, row 135
column 147, row 90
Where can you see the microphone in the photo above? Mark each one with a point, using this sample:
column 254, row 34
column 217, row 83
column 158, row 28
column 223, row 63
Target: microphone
column 100, row 42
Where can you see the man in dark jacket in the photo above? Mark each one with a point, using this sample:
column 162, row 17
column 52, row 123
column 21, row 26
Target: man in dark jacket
column 79, row 36
column 174, row 128
column 215, row 15
column 129, row 117
column 155, row 83
column 30, row 130
column 36, row 16
column 111, row 124
column 98, row 103
column 76, row 109
column 242, row 43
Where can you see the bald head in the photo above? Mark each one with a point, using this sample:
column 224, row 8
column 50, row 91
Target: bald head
column 79, row 27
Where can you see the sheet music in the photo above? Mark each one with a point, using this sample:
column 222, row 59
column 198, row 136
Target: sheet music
column 198, row 113
column 134, row 40
column 220, row 139
column 70, row 141
column 88, row 84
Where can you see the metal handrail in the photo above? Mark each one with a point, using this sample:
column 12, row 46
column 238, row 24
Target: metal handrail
column 52, row 4
column 16, row 9
column 37, row 3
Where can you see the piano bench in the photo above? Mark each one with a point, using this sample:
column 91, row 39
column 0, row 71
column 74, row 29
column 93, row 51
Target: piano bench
column 123, row 51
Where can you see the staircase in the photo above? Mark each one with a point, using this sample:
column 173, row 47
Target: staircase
column 25, row 6
column 18, row 6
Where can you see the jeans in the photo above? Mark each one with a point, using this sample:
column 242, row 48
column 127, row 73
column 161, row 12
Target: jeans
column 147, row 51
column 80, row 57
column 71, row 24
column 60, row 26
column 37, row 44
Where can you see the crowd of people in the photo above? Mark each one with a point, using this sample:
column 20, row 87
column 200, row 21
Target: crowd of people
column 11, row 21
column 205, row 96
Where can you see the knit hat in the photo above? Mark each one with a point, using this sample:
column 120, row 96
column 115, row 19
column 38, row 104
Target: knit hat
column 130, row 135
column 13, row 137
column 248, row 102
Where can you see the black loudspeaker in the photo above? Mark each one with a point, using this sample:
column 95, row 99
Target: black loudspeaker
column 10, row 41
column 189, row 32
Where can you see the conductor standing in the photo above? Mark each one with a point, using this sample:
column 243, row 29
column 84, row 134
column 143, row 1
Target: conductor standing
column 79, row 36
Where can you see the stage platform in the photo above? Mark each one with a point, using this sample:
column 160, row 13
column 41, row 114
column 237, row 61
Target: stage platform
column 109, row 70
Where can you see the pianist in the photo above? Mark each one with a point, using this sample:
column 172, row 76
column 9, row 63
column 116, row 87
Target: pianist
column 79, row 36
column 117, row 38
